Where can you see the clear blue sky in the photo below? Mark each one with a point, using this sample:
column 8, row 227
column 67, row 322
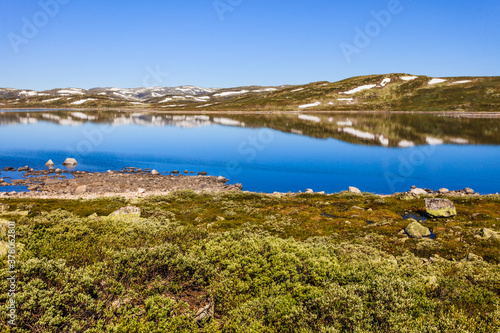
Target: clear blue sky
column 98, row 43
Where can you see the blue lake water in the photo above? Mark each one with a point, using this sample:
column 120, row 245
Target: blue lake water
column 281, row 153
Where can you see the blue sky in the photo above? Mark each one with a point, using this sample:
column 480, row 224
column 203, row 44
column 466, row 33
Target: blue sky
column 97, row 43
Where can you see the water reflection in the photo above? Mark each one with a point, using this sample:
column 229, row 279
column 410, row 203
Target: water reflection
column 378, row 129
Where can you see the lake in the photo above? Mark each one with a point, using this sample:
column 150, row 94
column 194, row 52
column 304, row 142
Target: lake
column 377, row 152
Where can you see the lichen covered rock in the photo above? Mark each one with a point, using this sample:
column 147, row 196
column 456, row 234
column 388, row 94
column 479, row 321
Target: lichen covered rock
column 440, row 207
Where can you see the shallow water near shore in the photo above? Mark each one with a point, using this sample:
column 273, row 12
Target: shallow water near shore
column 379, row 153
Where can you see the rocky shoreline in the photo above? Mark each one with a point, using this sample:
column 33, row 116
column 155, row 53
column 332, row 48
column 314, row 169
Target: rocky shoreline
column 134, row 182
column 128, row 182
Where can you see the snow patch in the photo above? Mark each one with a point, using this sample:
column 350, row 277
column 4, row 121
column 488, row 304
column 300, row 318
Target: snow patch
column 358, row 89
column 385, row 81
column 408, row 78
column 71, row 92
column 51, row 100
column 230, row 93
column 383, row 140
column 345, row 99
column 460, row 141
column 460, row 82
column 300, row 89
column 83, row 101
column 309, row 105
column 434, row 81
column 168, row 99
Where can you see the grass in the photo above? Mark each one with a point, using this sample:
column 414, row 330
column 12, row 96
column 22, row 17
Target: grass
column 301, row 263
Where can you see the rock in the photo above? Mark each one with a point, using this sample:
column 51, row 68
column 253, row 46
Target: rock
column 141, row 190
column 413, row 187
column 25, row 168
column 81, row 189
column 416, row 230
column 154, row 172
column 109, row 171
column 443, row 191
column 70, row 162
column 221, row 179
column 440, row 207
column 357, row 208
column 175, row 172
column 469, row 190
column 49, row 163
column 353, row 189
column 58, row 170
column 203, row 173
column 205, row 312
column 220, row 218
column 32, row 188
column 473, row 257
column 128, row 210
column 418, row 191
column 309, row 191
column 186, row 172
column 488, row 233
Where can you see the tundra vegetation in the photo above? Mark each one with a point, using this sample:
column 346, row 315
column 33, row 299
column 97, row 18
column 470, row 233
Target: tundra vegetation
column 266, row 263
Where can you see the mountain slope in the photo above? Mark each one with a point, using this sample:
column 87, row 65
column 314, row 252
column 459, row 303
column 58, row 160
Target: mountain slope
column 389, row 92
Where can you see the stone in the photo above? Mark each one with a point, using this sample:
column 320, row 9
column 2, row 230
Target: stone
column 81, row 189
column 353, row 189
column 473, row 257
column 128, row 210
column 221, row 179
column 49, row 163
column 309, row 191
column 154, row 172
column 204, row 313
column 440, row 207
column 175, row 172
column 416, row 230
column 418, row 191
column 70, row 162
column 141, row 190
column 413, row 187
column 469, row 190
column 32, row 188
column 186, row 172
column 109, row 171
column 443, row 191
column 486, row 233
column 203, row 173
column 58, row 170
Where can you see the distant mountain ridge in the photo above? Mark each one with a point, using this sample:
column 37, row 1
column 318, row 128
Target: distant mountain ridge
column 389, row 92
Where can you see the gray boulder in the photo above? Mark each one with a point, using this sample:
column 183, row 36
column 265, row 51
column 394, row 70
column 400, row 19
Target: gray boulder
column 81, row 189
column 418, row 191
column 49, row 163
column 440, row 207
column 154, row 172
column 416, row 230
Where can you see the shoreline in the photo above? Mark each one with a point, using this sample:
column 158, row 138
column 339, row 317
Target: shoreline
column 138, row 183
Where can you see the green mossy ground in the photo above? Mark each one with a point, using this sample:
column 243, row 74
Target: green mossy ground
column 302, row 263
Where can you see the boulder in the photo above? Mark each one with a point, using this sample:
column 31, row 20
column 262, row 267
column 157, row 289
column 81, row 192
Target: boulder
column 418, row 191
column 309, row 191
column 440, row 207
column 486, row 233
column 469, row 190
column 49, row 163
column 154, row 172
column 128, row 210
column 353, row 189
column 203, row 173
column 175, row 172
column 70, row 162
column 443, row 191
column 58, row 170
column 81, row 189
column 186, row 172
column 416, row 230
column 221, row 179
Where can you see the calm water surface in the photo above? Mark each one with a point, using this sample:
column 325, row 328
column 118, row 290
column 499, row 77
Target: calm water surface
column 380, row 153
